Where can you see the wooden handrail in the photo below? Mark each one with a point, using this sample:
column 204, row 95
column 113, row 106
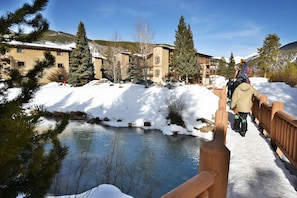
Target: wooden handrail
column 214, row 155
column 279, row 126
column 285, row 138
column 212, row 180
column 194, row 186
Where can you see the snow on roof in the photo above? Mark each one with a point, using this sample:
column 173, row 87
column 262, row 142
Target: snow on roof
column 51, row 45
column 67, row 47
column 98, row 55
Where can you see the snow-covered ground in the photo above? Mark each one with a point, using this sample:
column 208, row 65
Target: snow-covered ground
column 255, row 171
column 132, row 103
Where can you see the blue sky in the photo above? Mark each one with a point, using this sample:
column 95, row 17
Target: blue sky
column 218, row 27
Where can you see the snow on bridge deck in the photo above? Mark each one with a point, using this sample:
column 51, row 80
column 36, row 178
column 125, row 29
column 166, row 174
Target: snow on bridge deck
column 255, row 170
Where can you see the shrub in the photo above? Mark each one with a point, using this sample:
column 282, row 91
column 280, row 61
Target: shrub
column 175, row 107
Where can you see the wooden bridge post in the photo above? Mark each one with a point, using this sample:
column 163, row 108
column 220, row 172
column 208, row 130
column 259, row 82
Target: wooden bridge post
column 222, row 104
column 221, row 117
column 276, row 106
column 215, row 156
column 262, row 99
column 223, row 92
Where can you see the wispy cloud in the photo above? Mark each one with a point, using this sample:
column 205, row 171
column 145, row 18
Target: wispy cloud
column 120, row 12
column 234, row 31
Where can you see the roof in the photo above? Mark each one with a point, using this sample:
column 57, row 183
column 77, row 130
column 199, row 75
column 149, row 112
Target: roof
column 45, row 45
column 98, row 55
column 172, row 48
column 204, row 55
column 166, row 46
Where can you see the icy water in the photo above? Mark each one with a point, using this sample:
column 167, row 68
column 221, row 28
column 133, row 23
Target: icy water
column 141, row 163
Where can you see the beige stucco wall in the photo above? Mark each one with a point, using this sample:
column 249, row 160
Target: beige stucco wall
column 123, row 60
column 98, row 62
column 204, row 62
column 164, row 61
column 160, row 64
column 30, row 56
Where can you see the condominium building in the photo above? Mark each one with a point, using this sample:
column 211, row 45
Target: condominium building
column 22, row 56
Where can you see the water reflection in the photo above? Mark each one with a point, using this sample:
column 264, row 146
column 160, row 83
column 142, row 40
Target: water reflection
column 140, row 163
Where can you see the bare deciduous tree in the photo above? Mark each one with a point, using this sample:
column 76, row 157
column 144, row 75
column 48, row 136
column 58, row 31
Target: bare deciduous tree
column 113, row 67
column 144, row 37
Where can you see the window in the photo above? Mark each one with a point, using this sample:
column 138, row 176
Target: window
column 20, row 50
column 60, row 65
column 157, row 59
column 21, row 64
column 157, row 72
column 59, row 53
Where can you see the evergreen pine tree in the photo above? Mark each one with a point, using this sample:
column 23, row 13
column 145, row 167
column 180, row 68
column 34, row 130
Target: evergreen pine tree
column 231, row 67
column 28, row 15
column 184, row 59
column 25, row 166
column 268, row 53
column 179, row 50
column 81, row 68
column 290, row 74
column 223, row 67
column 135, row 71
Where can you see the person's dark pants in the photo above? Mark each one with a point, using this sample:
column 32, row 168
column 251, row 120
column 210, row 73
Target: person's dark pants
column 240, row 122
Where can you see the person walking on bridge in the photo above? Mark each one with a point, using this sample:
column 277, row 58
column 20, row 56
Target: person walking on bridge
column 241, row 104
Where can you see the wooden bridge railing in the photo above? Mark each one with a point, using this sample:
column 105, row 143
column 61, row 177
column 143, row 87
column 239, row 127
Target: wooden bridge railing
column 278, row 125
column 212, row 179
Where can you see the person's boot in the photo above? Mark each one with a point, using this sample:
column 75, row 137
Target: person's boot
column 243, row 127
column 236, row 125
column 242, row 133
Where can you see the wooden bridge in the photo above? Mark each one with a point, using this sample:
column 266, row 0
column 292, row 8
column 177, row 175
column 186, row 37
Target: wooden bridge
column 212, row 178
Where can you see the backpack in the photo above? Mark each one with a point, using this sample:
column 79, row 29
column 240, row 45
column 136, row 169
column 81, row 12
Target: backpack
column 233, row 85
